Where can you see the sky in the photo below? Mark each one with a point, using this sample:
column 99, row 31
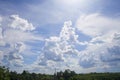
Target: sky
column 43, row 35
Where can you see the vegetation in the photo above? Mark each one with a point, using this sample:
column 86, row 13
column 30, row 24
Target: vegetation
column 5, row 74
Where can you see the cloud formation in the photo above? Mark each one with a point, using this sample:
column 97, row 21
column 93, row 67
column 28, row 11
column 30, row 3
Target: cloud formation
column 97, row 24
column 20, row 24
column 62, row 51
column 14, row 33
column 103, row 48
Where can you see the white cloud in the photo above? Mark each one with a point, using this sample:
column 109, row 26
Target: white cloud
column 59, row 48
column 60, row 51
column 96, row 24
column 68, row 33
column 15, row 32
column 11, row 36
column 60, row 11
column 103, row 48
column 20, row 23
column 20, row 47
column 12, row 56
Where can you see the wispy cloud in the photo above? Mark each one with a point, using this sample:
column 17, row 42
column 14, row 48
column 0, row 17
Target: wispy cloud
column 96, row 24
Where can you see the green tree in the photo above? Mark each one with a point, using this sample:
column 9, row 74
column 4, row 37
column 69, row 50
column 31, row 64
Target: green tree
column 4, row 73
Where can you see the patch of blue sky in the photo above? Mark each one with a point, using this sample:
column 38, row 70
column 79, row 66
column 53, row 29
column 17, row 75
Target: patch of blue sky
column 107, row 8
column 4, row 46
column 111, row 7
column 80, row 47
column 49, row 30
column 23, row 1
column 37, row 45
column 82, row 37
column 30, row 59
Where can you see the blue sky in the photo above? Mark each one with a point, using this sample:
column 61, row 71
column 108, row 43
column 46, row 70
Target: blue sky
column 41, row 35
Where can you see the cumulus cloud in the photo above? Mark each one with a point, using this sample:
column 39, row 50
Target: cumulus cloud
column 12, row 56
column 57, row 48
column 62, row 51
column 103, row 48
column 20, row 24
column 100, row 54
column 15, row 32
column 113, row 51
column 11, row 36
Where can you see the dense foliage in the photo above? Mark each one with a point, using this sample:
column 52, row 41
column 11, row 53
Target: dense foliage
column 5, row 74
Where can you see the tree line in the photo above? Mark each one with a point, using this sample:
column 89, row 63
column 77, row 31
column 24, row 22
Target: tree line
column 5, row 74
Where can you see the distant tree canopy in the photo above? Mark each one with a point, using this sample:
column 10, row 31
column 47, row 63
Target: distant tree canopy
column 5, row 74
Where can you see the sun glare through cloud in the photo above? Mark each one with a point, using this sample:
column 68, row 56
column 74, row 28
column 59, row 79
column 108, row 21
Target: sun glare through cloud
column 72, row 3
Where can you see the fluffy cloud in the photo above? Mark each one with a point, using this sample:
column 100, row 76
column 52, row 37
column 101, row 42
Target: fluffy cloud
column 62, row 51
column 12, row 56
column 58, row 49
column 11, row 36
column 113, row 52
column 103, row 48
column 15, row 32
column 20, row 24
column 96, row 24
